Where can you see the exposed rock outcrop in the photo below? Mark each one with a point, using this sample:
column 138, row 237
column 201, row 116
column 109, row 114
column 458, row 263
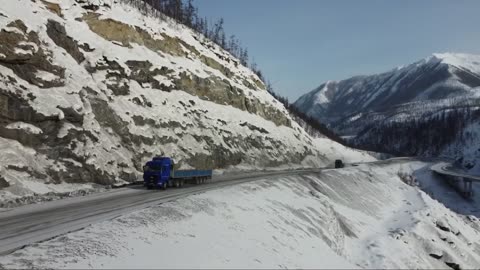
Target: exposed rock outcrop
column 87, row 96
column 58, row 34
column 22, row 52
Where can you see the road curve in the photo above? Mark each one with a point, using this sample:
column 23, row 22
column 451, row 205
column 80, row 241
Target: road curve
column 448, row 169
column 35, row 223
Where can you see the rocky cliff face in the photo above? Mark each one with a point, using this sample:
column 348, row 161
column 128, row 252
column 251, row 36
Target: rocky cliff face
column 91, row 90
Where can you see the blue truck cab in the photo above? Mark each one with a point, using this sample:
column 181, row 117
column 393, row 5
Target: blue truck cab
column 160, row 173
column 156, row 172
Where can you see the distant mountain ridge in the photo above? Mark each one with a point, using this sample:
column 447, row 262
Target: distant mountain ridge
column 429, row 108
column 436, row 82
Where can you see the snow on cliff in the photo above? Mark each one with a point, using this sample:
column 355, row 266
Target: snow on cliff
column 470, row 62
column 90, row 90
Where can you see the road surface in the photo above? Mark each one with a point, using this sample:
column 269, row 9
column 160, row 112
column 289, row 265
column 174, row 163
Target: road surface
column 34, row 223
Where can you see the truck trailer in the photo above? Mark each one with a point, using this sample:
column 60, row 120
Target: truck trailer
column 160, row 173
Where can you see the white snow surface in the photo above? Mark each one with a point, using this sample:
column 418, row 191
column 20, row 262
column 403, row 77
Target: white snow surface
column 462, row 60
column 46, row 76
column 321, row 97
column 335, row 150
column 29, row 128
column 357, row 217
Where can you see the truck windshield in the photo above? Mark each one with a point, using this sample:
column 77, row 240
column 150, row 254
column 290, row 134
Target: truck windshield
column 153, row 167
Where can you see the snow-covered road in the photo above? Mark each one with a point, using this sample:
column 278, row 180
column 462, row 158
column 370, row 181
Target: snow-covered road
column 29, row 224
column 357, row 217
column 33, row 223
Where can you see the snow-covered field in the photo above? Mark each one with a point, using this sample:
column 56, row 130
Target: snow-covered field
column 357, row 217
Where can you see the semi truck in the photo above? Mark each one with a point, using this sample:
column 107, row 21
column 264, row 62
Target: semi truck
column 339, row 163
column 160, row 173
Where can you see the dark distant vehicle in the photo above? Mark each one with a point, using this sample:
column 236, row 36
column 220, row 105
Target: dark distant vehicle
column 339, row 164
column 159, row 173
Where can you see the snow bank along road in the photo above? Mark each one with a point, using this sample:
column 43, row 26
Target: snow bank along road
column 356, row 217
column 33, row 223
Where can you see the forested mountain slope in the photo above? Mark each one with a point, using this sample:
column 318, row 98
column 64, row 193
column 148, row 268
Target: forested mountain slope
column 425, row 108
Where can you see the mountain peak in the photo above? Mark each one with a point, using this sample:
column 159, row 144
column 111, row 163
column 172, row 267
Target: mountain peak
column 460, row 60
column 441, row 78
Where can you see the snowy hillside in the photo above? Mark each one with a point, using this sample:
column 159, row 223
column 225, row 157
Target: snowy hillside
column 414, row 91
column 358, row 217
column 90, row 90
column 466, row 148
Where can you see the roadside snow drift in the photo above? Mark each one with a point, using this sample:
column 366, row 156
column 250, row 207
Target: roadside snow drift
column 358, row 217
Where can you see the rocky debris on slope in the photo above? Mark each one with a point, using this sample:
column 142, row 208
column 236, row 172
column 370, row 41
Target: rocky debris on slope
column 453, row 265
column 53, row 7
column 58, row 34
column 254, row 128
column 437, row 255
column 3, row 182
column 442, row 226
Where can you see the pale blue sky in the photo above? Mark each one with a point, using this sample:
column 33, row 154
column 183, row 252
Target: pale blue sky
column 300, row 44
